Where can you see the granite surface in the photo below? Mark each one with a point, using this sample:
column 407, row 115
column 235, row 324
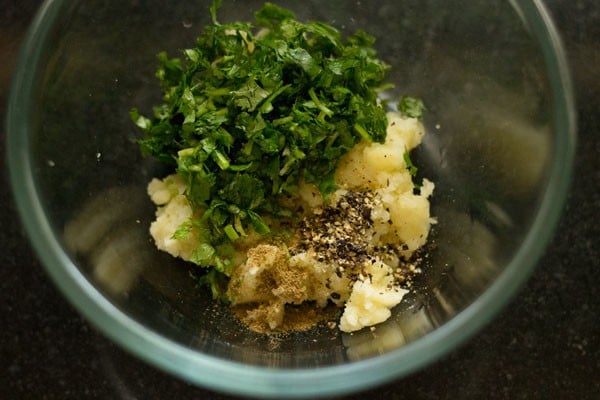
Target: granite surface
column 544, row 345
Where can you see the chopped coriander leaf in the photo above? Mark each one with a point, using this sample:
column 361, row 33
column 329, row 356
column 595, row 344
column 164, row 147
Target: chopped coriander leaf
column 217, row 283
column 183, row 231
column 412, row 169
column 411, row 107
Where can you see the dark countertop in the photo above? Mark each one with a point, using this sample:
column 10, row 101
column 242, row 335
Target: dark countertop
column 545, row 344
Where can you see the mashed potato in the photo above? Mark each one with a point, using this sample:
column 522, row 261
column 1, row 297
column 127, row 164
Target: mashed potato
column 351, row 251
column 173, row 211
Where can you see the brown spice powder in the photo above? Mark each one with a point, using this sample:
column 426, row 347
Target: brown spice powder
column 284, row 287
column 257, row 317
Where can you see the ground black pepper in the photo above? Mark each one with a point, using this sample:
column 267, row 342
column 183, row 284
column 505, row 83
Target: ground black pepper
column 341, row 235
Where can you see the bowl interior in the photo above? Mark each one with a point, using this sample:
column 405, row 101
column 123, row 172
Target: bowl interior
column 496, row 118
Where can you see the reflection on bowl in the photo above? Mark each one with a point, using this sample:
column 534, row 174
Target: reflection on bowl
column 109, row 237
column 499, row 148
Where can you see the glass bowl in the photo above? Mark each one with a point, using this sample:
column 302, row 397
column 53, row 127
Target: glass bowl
column 500, row 148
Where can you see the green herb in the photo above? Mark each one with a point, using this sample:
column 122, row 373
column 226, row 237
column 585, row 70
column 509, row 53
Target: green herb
column 253, row 109
column 411, row 107
column 412, row 169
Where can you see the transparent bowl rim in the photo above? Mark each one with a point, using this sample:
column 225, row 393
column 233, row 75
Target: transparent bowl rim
column 238, row 378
